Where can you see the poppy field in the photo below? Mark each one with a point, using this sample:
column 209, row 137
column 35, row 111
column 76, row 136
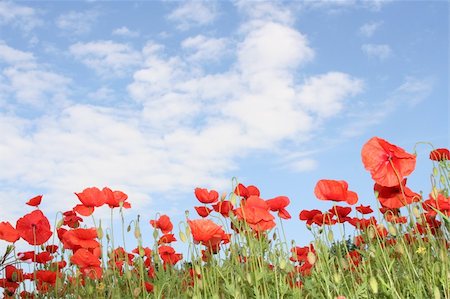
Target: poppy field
column 398, row 247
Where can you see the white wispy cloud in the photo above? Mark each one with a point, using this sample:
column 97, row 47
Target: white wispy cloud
column 368, row 29
column 77, row 22
column 203, row 48
column 11, row 56
column 106, row 57
column 332, row 89
column 378, row 51
column 193, row 13
column 23, row 17
column 409, row 92
column 125, row 32
column 43, row 86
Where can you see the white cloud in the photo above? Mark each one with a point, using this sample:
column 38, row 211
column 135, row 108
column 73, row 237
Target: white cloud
column 273, row 46
column 42, row 87
column 106, row 57
column 303, row 165
column 259, row 12
column 77, row 22
column 30, row 82
column 414, row 90
column 409, row 93
column 125, row 32
column 24, row 17
column 193, row 13
column 203, row 48
column 379, row 51
column 324, row 95
column 368, row 29
column 16, row 57
column 103, row 94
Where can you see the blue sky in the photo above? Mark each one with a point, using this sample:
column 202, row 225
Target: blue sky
column 157, row 98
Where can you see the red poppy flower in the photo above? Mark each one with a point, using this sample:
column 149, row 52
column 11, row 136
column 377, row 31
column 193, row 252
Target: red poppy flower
column 205, row 196
column 362, row 224
column 440, row 154
column 441, row 203
column 88, row 263
column 206, row 232
column 246, row 192
column 13, row 274
column 163, row 223
column 34, row 228
column 8, row 232
column 279, row 204
column 45, row 279
column 43, row 257
column 90, row 198
column 203, row 211
column 116, row 198
column 309, row 215
column 35, row 201
column 71, row 219
column 255, row 211
column 394, row 197
column 51, row 248
column 168, row 255
column 388, row 164
column 223, row 207
column 341, row 213
column 364, row 209
column 335, row 191
column 148, row 287
column 166, row 238
column 80, row 238
column 300, row 254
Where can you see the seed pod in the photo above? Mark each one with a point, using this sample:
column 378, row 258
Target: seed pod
column 311, row 257
column 373, row 285
column 330, row 236
column 392, row 230
column 183, row 237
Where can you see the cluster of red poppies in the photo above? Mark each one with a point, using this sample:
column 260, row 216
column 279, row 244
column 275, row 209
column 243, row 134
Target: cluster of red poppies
column 388, row 165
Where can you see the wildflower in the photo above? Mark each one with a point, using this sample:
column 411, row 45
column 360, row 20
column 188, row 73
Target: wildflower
column 206, row 232
column 246, row 192
column 116, row 199
column 364, row 209
column 388, row 164
column 34, row 228
column 205, row 196
column 335, row 191
column 90, row 198
column 35, row 201
column 203, row 211
column 80, row 238
column 341, row 213
column 88, row 263
column 279, row 204
column 223, row 207
column 309, row 215
column 421, row 250
column 395, row 196
column 8, row 232
column 163, row 223
column 168, row 255
column 440, row 154
column 71, row 219
column 255, row 211
column 166, row 238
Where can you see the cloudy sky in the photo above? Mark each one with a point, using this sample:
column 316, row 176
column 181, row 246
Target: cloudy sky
column 157, row 98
